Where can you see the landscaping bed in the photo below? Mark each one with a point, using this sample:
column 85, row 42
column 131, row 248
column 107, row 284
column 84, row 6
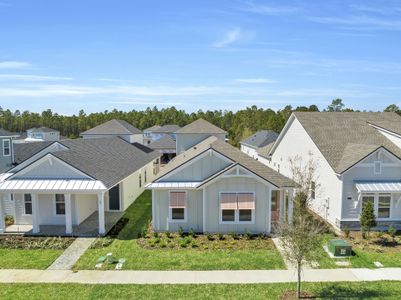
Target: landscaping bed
column 27, row 243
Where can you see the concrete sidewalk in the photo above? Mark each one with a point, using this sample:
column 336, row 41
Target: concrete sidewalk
column 195, row 277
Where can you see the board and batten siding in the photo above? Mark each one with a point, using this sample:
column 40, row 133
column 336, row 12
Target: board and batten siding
column 297, row 142
column 194, row 206
column 249, row 151
column 185, row 140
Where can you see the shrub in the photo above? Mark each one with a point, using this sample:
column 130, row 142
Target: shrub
column 180, row 231
column 261, row 235
column 9, row 220
column 168, row 234
column 367, row 218
column 234, row 235
column 346, row 231
column 209, row 236
column 247, row 234
column 220, row 236
column 184, row 242
column 162, row 244
column 191, row 233
column 391, row 231
column 155, row 234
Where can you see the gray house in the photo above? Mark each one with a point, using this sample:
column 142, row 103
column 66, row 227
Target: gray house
column 214, row 187
column 6, row 149
column 259, row 143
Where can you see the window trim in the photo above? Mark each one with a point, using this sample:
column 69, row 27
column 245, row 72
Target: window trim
column 24, row 201
column 376, row 197
column 170, row 209
column 9, row 147
column 389, row 208
column 55, row 206
column 236, row 215
column 313, row 190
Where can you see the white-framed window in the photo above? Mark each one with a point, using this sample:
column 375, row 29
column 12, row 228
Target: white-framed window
column 60, row 204
column 140, row 180
column 384, row 205
column 146, row 176
column 177, row 206
column 313, row 190
column 6, row 148
column 237, row 207
column 377, row 167
column 27, row 204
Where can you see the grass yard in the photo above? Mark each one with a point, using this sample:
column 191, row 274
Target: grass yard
column 140, row 257
column 362, row 290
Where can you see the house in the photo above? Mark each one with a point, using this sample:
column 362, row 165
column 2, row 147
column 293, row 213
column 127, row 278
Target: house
column 195, row 132
column 42, row 134
column 357, row 157
column 166, row 146
column 157, row 132
column 258, row 143
column 214, row 187
column 147, row 134
column 6, row 149
column 115, row 128
column 74, row 187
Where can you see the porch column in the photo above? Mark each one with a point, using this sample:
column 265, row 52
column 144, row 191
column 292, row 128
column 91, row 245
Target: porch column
column 100, row 205
column 2, row 221
column 35, row 213
column 290, row 205
column 282, row 205
column 68, row 215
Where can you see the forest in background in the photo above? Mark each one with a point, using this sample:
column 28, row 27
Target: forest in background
column 239, row 124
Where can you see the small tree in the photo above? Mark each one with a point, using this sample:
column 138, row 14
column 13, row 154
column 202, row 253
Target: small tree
column 367, row 218
column 299, row 241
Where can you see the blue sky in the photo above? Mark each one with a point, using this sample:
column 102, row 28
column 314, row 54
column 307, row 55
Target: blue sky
column 98, row 55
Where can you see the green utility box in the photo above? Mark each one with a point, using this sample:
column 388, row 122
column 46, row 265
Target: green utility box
column 339, row 248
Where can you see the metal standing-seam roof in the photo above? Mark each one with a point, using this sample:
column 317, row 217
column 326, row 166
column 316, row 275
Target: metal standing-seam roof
column 233, row 154
column 345, row 138
column 201, row 126
column 114, row 127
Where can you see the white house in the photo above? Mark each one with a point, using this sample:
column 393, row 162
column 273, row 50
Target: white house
column 214, row 187
column 42, row 134
column 74, row 187
column 115, row 128
column 258, row 143
column 357, row 157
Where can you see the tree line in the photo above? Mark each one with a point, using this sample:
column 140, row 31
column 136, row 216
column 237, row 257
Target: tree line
column 239, row 124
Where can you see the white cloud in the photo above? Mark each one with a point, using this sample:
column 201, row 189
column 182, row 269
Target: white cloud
column 273, row 10
column 254, row 80
column 14, row 65
column 383, row 10
column 22, row 77
column 229, row 38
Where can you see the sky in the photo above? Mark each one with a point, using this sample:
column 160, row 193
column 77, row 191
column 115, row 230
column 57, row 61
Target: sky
column 98, row 55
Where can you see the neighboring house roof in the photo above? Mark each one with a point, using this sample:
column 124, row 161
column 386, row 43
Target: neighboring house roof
column 114, row 127
column 42, row 129
column 4, row 132
column 201, row 126
column 260, row 139
column 108, row 160
column 170, row 128
column 233, row 154
column 166, row 142
column 264, row 151
column 345, row 138
column 154, row 127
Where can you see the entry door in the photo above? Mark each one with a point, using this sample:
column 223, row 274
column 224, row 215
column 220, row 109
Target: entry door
column 114, row 198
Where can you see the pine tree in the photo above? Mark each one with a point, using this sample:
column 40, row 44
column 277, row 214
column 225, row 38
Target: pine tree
column 367, row 218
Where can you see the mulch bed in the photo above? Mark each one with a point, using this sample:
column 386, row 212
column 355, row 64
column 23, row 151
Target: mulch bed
column 289, row 295
column 22, row 242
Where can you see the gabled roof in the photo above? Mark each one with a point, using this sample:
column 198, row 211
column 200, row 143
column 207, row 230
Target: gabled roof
column 42, row 129
column 5, row 133
column 201, row 126
column 108, row 160
column 24, row 151
column 116, row 127
column 233, row 154
column 166, row 142
column 260, row 139
column 345, row 138
column 154, row 127
column 170, row 128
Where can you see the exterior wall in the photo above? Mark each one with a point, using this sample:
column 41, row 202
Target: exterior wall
column 249, row 151
column 136, row 138
column 392, row 137
column 85, row 205
column 199, row 170
column 5, row 161
column 8, row 205
column 47, row 211
column 194, row 212
column 45, row 136
column 296, row 142
column 186, row 140
column 264, row 160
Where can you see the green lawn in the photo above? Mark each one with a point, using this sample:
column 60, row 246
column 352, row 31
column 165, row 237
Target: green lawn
column 139, row 258
column 362, row 290
column 27, row 259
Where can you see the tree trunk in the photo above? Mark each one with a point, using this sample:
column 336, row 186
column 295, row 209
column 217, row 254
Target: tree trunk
column 299, row 280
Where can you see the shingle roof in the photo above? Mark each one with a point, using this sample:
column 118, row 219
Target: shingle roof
column 345, row 138
column 201, row 126
column 260, row 139
column 166, row 142
column 109, row 160
column 154, row 127
column 170, row 128
column 233, row 154
column 43, row 129
column 116, row 127
column 4, row 132
column 23, row 151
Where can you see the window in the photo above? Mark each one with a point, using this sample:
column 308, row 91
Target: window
column 6, row 148
column 366, row 198
column 140, row 180
column 60, row 204
column 177, row 206
column 156, row 167
column 377, row 167
column 237, row 207
column 313, row 190
column 384, row 206
column 146, row 177
column 27, row 204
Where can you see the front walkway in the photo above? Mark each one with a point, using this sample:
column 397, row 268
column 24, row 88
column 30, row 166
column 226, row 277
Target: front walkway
column 71, row 255
column 196, row 277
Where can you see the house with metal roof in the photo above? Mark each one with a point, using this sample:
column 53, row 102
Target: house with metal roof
column 115, row 128
column 74, row 187
column 214, row 187
column 259, row 143
column 357, row 156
